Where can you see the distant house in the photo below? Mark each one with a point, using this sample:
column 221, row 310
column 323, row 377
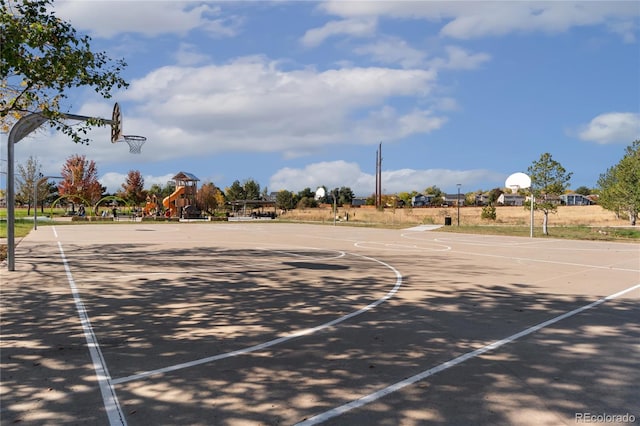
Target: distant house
column 358, row 201
column 573, row 199
column 481, row 200
column 511, row 200
column 422, row 200
column 272, row 196
column 452, row 199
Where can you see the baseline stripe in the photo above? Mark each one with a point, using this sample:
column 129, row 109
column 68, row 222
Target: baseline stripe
column 109, row 398
column 453, row 362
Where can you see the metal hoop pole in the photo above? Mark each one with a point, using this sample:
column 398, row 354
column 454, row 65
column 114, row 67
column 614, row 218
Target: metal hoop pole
column 23, row 127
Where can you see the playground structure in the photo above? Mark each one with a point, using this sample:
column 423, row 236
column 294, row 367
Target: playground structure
column 151, row 206
column 182, row 201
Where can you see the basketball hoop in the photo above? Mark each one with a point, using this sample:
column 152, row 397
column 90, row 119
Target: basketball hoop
column 135, row 142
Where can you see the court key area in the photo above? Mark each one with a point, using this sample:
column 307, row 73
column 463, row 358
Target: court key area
column 295, row 324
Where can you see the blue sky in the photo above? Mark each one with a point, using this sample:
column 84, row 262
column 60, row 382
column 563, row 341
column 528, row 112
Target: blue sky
column 300, row 94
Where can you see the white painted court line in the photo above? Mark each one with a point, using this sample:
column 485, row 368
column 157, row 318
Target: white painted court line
column 453, row 362
column 109, row 398
column 285, row 338
column 421, row 228
column 555, row 262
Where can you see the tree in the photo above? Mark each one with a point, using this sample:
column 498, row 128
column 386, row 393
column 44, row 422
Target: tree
column 42, row 58
column 437, row 193
column 28, row 175
column 307, row 199
column 80, row 180
column 407, row 196
column 162, row 191
column 619, row 186
column 235, row 192
column 583, row 190
column 494, row 194
column 345, row 195
column 133, row 188
column 549, row 180
column 251, row 189
column 209, row 198
column 47, row 194
column 285, row 200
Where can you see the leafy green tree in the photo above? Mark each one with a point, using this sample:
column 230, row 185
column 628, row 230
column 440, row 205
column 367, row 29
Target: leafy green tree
column 345, row 195
column 489, row 212
column 251, row 189
column 306, row 199
column 49, row 194
column 494, row 194
column 619, row 186
column 407, row 196
column 438, row 195
column 235, row 192
column 161, row 191
column 42, row 58
column 28, row 175
column 286, row 200
column 549, row 180
column 583, row 190
column 306, row 193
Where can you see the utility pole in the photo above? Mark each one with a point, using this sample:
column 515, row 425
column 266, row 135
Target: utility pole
column 379, row 177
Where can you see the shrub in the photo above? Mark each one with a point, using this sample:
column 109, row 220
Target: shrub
column 488, row 212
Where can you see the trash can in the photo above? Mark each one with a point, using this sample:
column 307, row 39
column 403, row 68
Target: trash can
column 447, row 221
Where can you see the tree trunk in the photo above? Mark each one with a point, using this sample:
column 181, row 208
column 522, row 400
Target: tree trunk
column 545, row 221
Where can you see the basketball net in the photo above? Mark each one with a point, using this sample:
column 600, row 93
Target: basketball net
column 135, row 143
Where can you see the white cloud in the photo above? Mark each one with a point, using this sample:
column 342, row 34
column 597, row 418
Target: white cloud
column 393, row 50
column 459, row 59
column 353, row 27
column 250, row 104
column 469, row 19
column 335, row 174
column 150, row 18
column 612, row 127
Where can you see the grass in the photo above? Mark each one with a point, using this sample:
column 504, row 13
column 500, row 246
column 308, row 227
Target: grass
column 595, row 233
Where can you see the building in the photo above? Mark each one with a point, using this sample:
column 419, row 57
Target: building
column 574, row 199
column 422, row 200
column 511, row 200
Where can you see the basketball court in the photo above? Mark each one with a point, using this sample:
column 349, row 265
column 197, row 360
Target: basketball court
column 282, row 324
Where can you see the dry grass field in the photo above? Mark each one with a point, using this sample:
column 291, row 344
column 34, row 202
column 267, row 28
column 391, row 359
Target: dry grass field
column 565, row 216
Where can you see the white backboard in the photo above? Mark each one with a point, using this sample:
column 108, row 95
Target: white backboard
column 518, row 181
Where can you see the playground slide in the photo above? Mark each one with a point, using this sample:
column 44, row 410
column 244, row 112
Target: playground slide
column 149, row 207
column 168, row 201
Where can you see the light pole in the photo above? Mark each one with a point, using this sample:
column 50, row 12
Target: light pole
column 458, row 203
column 35, row 197
column 334, row 206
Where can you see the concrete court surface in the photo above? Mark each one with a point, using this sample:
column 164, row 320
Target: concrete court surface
column 279, row 324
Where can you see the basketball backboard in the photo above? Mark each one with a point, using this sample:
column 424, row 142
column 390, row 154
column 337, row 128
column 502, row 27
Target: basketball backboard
column 518, row 181
column 116, row 124
column 117, row 135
